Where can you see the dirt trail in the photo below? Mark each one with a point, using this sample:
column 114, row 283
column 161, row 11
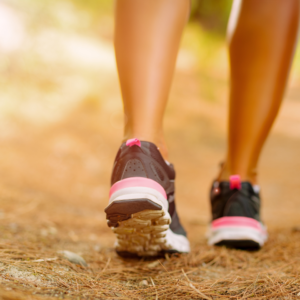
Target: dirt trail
column 60, row 127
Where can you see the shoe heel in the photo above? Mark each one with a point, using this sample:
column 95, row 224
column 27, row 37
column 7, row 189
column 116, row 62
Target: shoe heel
column 139, row 188
column 133, row 205
column 138, row 214
column 237, row 232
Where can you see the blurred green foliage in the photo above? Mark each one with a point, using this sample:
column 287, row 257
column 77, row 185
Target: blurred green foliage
column 211, row 14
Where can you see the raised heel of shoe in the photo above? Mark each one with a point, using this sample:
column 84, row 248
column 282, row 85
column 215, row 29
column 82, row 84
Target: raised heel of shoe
column 138, row 214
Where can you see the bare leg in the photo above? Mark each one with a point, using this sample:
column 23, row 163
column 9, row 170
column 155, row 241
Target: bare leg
column 147, row 36
column 261, row 47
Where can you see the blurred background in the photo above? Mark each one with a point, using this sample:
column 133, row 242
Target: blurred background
column 61, row 120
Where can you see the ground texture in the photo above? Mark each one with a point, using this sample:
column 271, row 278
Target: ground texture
column 60, row 127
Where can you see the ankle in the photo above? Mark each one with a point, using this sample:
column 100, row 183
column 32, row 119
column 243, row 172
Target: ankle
column 246, row 175
column 158, row 140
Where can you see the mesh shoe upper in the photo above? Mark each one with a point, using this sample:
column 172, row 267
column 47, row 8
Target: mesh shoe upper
column 146, row 161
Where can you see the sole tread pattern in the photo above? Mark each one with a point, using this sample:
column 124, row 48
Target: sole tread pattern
column 144, row 234
column 140, row 226
column 140, row 219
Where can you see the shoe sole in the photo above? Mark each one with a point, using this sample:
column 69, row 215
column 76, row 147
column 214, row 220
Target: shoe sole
column 237, row 232
column 138, row 215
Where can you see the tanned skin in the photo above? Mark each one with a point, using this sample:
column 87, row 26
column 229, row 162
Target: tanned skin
column 262, row 37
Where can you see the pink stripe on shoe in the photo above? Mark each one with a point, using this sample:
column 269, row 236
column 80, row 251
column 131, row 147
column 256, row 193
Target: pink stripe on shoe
column 137, row 182
column 236, row 221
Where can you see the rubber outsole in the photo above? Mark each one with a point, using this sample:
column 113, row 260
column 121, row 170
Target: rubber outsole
column 140, row 226
column 121, row 210
column 126, row 254
column 240, row 244
column 142, row 229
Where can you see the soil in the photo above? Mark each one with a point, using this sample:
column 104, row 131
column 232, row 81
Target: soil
column 60, row 127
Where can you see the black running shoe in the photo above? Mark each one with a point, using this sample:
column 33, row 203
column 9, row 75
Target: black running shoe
column 236, row 220
column 141, row 210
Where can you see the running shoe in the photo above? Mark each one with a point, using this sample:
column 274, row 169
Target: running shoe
column 141, row 210
column 236, row 219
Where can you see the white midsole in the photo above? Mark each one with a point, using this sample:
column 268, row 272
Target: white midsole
column 177, row 241
column 237, row 233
